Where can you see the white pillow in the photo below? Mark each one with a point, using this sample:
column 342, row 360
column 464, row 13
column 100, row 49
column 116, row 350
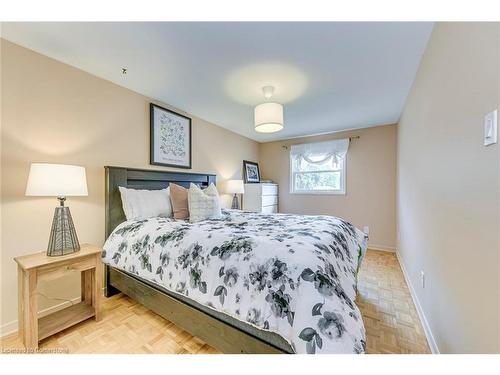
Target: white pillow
column 203, row 204
column 143, row 204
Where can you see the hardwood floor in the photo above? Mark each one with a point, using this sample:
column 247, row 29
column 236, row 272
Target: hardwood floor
column 392, row 323
column 391, row 320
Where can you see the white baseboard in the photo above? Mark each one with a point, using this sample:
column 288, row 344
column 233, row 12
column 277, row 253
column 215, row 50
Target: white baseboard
column 382, row 248
column 425, row 324
column 12, row 327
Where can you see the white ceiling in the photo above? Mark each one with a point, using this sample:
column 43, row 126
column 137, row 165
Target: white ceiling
column 330, row 76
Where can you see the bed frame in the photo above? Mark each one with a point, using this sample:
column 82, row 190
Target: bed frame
column 221, row 335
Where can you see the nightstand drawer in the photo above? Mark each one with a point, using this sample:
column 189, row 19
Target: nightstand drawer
column 53, row 271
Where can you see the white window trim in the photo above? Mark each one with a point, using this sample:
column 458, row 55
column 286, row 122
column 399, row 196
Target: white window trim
column 341, row 191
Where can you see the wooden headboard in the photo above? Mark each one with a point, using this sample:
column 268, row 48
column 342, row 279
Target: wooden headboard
column 142, row 179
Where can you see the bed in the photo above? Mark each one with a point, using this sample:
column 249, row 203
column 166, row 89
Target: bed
column 244, row 283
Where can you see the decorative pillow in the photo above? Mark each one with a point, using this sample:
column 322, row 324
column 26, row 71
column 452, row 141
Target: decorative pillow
column 143, row 204
column 179, row 198
column 203, row 204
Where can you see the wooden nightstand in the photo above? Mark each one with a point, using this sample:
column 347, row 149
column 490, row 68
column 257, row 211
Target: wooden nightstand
column 35, row 267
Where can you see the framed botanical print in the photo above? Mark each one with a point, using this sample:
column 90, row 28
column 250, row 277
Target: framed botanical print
column 251, row 172
column 170, row 138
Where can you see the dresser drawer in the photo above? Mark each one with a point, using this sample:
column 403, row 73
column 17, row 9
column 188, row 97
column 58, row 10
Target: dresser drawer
column 257, row 196
column 270, row 209
column 269, row 200
column 269, row 189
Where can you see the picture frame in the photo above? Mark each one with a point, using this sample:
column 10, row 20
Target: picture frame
column 251, row 172
column 170, row 138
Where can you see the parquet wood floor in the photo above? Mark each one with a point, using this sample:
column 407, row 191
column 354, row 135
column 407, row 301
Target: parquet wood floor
column 392, row 323
column 391, row 320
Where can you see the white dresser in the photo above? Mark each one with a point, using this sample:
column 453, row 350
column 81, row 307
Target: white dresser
column 261, row 198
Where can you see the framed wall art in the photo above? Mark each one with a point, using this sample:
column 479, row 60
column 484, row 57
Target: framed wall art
column 251, row 172
column 170, row 138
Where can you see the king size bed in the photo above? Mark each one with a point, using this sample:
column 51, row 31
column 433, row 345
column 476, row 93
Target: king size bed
column 244, row 282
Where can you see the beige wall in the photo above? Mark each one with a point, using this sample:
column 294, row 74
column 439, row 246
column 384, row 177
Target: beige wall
column 449, row 187
column 54, row 113
column 370, row 185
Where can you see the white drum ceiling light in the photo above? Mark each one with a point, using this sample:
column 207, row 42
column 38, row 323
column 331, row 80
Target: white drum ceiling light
column 268, row 116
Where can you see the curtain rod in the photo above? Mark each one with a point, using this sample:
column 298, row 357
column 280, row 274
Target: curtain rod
column 285, row 147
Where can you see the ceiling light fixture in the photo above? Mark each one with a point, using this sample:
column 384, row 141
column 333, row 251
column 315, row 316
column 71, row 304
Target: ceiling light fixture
column 268, row 116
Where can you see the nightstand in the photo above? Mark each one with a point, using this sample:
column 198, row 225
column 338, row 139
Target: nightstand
column 36, row 267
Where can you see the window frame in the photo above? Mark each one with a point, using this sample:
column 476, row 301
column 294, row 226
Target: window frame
column 341, row 191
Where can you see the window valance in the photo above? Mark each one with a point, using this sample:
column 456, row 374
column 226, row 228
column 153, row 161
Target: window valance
column 320, row 152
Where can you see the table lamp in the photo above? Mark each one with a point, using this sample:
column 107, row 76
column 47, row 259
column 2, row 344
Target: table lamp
column 61, row 181
column 235, row 187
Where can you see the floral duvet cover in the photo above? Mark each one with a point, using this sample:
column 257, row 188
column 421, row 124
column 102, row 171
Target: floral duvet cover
column 293, row 275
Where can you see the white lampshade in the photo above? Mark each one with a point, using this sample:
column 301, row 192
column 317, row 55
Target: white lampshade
column 56, row 180
column 235, row 187
column 268, row 117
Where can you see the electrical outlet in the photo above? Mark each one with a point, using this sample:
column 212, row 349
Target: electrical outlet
column 366, row 229
column 422, row 279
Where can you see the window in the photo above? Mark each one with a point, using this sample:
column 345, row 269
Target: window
column 318, row 168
